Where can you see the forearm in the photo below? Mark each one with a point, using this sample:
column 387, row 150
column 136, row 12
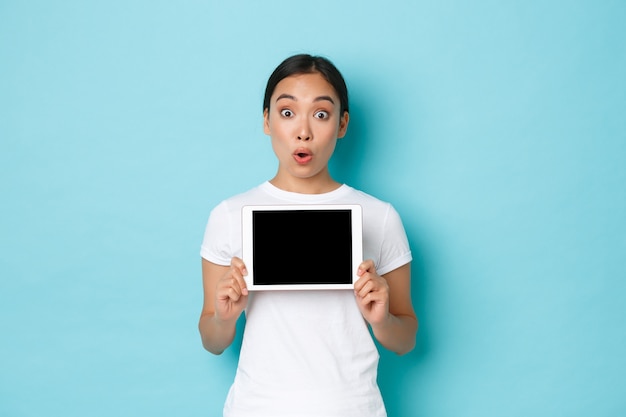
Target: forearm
column 216, row 334
column 397, row 333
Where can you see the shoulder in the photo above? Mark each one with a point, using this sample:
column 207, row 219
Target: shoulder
column 372, row 206
column 222, row 236
column 384, row 237
column 378, row 215
column 233, row 204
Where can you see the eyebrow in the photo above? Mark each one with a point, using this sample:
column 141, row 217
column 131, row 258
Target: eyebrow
column 320, row 98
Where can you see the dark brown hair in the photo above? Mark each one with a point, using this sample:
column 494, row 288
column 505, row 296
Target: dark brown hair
column 308, row 64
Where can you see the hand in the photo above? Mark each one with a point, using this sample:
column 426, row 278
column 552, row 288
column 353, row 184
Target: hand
column 372, row 294
column 231, row 293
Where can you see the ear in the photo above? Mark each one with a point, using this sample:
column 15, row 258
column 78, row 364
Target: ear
column 266, row 121
column 343, row 125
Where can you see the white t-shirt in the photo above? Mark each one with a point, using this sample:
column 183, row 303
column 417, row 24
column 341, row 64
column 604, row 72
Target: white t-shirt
column 307, row 353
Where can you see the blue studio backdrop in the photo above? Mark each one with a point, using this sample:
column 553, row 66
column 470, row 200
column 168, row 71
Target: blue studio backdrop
column 497, row 129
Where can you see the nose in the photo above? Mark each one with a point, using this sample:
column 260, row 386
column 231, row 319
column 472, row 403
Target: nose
column 305, row 131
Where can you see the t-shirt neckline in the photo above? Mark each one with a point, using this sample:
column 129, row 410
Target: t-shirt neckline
column 271, row 189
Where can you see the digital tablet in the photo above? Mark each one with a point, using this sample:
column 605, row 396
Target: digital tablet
column 302, row 247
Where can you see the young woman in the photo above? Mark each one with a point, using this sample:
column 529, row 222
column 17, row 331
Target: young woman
column 307, row 353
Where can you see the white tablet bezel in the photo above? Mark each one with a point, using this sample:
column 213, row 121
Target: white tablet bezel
column 247, row 250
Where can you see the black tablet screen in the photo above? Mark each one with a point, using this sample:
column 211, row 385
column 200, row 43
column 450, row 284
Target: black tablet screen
column 302, row 247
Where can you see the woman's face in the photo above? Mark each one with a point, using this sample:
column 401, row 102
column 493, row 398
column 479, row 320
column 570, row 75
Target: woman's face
column 304, row 123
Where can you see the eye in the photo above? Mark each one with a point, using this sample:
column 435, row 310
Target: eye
column 321, row 115
column 286, row 113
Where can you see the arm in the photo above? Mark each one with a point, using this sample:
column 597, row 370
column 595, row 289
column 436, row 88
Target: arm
column 385, row 303
column 225, row 297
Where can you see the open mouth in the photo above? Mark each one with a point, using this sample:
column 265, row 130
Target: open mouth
column 302, row 156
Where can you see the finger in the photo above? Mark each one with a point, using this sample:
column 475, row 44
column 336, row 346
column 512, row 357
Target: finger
column 365, row 278
column 239, row 271
column 229, row 289
column 366, row 266
column 236, row 262
column 375, row 297
column 366, row 300
column 367, row 288
column 358, row 285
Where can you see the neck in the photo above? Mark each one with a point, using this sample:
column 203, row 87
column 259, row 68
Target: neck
column 305, row 185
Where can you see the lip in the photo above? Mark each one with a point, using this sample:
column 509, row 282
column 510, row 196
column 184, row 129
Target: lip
column 302, row 156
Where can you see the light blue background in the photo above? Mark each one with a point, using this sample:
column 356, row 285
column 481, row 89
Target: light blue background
column 497, row 129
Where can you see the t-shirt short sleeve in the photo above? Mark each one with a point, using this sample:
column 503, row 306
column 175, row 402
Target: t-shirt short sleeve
column 394, row 250
column 217, row 245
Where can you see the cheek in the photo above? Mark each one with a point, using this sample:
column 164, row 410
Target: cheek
column 278, row 135
column 277, row 128
column 330, row 131
column 279, row 146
